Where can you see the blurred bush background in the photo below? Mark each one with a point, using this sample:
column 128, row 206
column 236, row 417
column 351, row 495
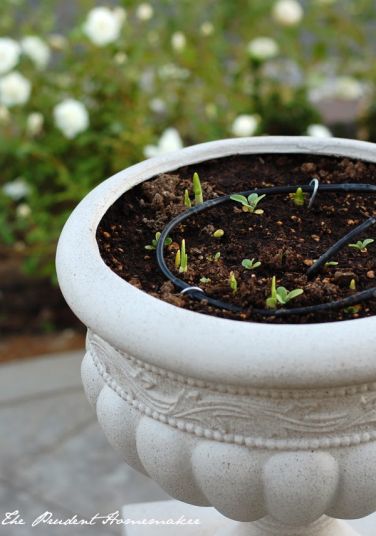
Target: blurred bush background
column 88, row 88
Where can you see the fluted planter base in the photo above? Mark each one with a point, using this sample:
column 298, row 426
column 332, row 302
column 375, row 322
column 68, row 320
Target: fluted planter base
column 211, row 523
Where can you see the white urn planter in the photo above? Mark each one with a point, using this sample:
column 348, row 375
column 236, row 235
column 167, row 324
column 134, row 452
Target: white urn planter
column 272, row 425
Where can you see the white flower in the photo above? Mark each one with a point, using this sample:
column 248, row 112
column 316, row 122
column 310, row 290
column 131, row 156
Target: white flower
column 319, row 131
column 178, row 41
column 120, row 58
column 343, row 87
column 16, row 189
column 144, row 11
column 103, row 25
column 207, row 28
column 71, row 117
column 37, row 50
column 10, row 52
column 34, row 123
column 245, row 125
column 263, row 48
column 23, row 210
column 14, row 89
column 169, row 141
column 287, row 12
column 348, row 88
column 157, row 105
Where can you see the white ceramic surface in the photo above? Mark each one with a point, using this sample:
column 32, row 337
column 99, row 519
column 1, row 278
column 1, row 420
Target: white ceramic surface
column 255, row 419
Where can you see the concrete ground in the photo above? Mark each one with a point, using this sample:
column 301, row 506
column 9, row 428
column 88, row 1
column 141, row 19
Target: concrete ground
column 55, row 458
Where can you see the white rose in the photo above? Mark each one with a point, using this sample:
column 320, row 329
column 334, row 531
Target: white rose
column 263, row 48
column 287, row 12
column 71, row 117
column 16, row 189
column 178, row 41
column 103, row 25
column 144, row 11
column 169, row 141
column 348, row 88
column 319, row 131
column 245, row 125
column 15, row 89
column 23, row 210
column 10, row 52
column 34, row 123
column 37, row 50
column 207, row 28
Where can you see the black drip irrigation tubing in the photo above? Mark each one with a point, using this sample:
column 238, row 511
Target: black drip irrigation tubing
column 199, row 294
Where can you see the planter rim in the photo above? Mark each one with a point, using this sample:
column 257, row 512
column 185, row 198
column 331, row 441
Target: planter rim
column 197, row 345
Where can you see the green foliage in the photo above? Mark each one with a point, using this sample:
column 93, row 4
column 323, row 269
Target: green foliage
column 181, row 259
column 250, row 264
column 249, row 204
column 187, row 201
column 197, row 190
column 361, row 245
column 298, row 197
column 218, row 233
column 280, row 295
column 233, row 283
column 155, row 241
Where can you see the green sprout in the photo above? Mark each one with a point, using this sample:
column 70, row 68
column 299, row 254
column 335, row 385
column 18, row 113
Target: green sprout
column 331, row 263
column 352, row 285
column 218, row 233
column 181, row 258
column 280, row 295
column 250, row 203
column 361, row 245
column 155, row 241
column 187, row 201
column 298, row 197
column 233, row 283
column 216, row 257
column 250, row 264
column 197, row 190
column 205, row 280
column 353, row 309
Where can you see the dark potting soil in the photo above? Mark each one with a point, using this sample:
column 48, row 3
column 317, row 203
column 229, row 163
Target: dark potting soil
column 286, row 238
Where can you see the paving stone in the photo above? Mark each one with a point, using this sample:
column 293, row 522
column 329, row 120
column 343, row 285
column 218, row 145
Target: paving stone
column 86, row 475
column 35, row 377
column 30, row 508
column 35, row 427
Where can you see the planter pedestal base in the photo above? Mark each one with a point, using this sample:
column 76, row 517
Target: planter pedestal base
column 213, row 523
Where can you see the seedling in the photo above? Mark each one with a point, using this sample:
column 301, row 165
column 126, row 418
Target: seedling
column 181, row 258
column 353, row 309
column 155, row 241
column 216, row 257
column 280, row 295
column 249, row 204
column 331, row 263
column 233, row 283
column 205, row 280
column 197, row 190
column 218, row 233
column 187, row 201
column 250, row 264
column 298, row 197
column 361, row 245
column 352, row 285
